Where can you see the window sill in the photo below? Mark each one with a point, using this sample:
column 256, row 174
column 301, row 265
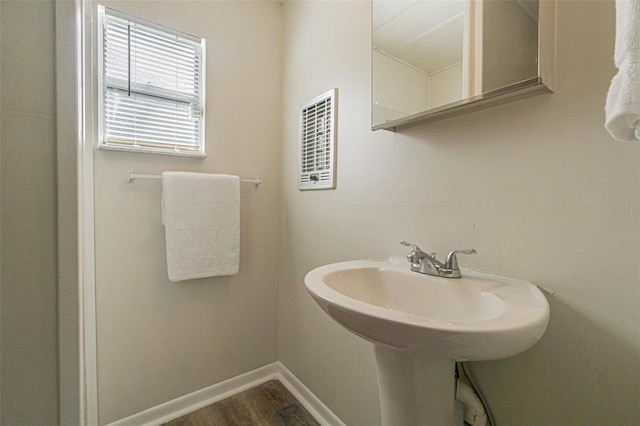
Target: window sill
column 143, row 150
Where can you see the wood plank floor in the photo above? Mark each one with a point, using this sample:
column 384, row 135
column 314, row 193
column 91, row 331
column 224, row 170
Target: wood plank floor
column 269, row 404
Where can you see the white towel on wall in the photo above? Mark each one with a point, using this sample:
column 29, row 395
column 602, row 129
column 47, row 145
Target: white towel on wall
column 201, row 215
column 623, row 100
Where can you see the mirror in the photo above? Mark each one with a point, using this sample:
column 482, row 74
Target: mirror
column 433, row 59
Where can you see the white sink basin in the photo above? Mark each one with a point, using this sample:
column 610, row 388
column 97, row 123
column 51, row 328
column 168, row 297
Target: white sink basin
column 476, row 317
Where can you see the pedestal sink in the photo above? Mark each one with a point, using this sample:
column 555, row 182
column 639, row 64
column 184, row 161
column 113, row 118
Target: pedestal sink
column 421, row 325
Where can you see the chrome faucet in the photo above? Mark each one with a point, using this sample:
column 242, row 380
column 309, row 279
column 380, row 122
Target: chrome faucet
column 425, row 263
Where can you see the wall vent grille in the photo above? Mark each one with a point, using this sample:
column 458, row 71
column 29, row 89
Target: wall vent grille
column 317, row 142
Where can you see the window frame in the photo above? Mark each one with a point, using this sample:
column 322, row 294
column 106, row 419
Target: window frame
column 160, row 148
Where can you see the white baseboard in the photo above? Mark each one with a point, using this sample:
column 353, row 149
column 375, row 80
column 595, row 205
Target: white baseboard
column 309, row 401
column 178, row 407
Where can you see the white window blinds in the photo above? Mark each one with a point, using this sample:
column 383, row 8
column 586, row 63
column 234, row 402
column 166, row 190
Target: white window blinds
column 152, row 87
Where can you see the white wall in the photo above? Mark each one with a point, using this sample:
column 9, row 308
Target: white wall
column 29, row 380
column 445, row 86
column 509, row 44
column 400, row 90
column 159, row 340
column 537, row 187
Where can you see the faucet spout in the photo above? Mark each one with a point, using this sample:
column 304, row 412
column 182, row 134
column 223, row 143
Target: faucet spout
column 452, row 258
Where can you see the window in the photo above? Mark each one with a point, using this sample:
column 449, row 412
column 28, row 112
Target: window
column 151, row 87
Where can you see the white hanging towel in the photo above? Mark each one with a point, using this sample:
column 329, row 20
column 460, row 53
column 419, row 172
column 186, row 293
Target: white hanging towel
column 201, row 215
column 623, row 100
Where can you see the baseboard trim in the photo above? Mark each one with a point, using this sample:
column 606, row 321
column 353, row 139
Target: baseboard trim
column 309, row 401
column 178, row 407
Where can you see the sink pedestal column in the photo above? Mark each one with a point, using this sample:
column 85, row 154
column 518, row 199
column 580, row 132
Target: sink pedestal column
column 417, row 386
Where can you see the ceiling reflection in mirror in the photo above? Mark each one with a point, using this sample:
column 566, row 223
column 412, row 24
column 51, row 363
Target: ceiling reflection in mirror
column 429, row 55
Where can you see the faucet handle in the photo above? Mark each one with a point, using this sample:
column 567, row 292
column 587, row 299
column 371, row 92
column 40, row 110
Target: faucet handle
column 413, row 255
column 416, row 252
column 452, row 259
column 413, row 246
column 416, row 248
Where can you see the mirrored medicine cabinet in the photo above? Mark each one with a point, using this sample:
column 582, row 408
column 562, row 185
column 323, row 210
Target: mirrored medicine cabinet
column 434, row 59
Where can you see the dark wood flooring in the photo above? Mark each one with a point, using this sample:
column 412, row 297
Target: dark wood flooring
column 269, row 404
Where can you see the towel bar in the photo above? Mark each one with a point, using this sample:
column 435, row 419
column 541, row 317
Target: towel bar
column 131, row 176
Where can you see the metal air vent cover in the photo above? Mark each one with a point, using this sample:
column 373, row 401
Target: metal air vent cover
column 317, row 142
